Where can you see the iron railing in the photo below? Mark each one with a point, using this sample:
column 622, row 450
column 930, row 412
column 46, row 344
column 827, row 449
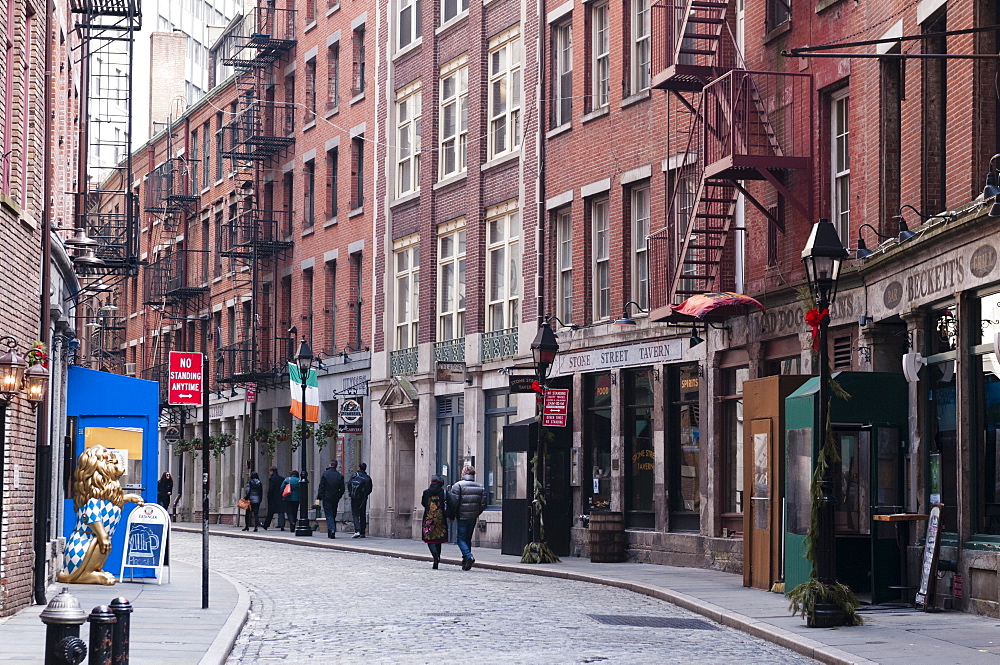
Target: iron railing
column 499, row 344
column 403, row 362
column 450, row 351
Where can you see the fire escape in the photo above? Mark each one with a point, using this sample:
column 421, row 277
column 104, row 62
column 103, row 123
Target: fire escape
column 255, row 236
column 175, row 277
column 105, row 241
column 745, row 130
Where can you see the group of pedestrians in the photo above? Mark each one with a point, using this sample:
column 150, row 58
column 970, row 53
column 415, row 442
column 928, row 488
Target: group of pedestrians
column 461, row 504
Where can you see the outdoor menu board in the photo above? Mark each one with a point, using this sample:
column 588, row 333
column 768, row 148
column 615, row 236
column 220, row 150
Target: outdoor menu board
column 146, row 536
column 928, row 566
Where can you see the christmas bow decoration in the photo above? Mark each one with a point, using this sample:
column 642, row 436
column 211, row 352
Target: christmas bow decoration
column 814, row 318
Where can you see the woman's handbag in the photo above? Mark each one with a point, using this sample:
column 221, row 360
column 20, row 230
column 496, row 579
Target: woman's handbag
column 287, row 492
column 243, row 504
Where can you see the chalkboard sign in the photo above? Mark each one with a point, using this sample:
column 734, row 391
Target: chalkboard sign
column 146, row 539
column 928, row 567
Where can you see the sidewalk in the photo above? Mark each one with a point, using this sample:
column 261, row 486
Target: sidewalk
column 888, row 636
column 168, row 625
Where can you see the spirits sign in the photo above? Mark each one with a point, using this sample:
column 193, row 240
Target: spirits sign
column 185, row 378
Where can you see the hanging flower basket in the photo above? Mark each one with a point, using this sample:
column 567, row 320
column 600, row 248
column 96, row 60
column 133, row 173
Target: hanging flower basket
column 221, row 443
column 281, row 434
column 299, row 429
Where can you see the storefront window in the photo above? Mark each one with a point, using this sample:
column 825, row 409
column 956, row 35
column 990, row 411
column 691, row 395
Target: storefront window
column 944, row 449
column 784, row 366
column 683, row 449
column 450, row 433
column 987, row 393
column 500, row 411
column 639, row 456
column 732, row 413
column 597, row 441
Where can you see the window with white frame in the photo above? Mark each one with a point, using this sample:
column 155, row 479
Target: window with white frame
column 600, row 56
column 406, row 253
column 452, row 8
column 409, row 22
column 640, row 255
column 639, row 59
column 407, row 141
column 505, row 93
column 454, row 117
column 562, row 72
column 840, row 162
column 564, row 252
column 602, row 257
column 451, row 281
column 503, row 267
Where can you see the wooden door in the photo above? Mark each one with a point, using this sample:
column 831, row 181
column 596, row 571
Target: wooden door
column 759, row 463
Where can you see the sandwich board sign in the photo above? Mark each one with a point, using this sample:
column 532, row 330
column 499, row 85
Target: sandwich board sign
column 146, row 536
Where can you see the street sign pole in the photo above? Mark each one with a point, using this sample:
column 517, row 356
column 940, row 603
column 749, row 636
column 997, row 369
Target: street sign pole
column 204, row 464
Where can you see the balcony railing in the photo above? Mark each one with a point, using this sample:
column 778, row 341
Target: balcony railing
column 499, row 344
column 450, row 351
column 403, row 362
column 158, row 373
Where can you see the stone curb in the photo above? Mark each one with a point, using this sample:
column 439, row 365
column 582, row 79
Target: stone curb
column 784, row 638
column 222, row 645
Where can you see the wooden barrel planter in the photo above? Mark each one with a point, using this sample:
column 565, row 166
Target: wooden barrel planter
column 607, row 537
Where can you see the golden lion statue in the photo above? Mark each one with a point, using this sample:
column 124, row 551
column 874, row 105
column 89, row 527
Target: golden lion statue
column 99, row 498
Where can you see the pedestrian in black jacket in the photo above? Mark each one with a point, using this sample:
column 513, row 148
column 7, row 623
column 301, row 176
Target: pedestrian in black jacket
column 254, row 494
column 467, row 501
column 331, row 491
column 275, row 504
column 434, row 529
column 359, row 487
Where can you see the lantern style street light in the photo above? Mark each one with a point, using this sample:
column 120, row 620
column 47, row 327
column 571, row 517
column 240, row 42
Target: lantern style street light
column 823, row 256
column 303, row 359
column 543, row 351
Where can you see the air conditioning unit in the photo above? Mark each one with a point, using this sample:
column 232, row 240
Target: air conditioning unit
column 129, row 369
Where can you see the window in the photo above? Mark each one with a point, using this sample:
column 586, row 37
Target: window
column 206, row 133
column 454, row 119
column 450, row 9
column 597, row 444
column 218, row 146
column 986, row 458
column 562, row 73
column 331, row 292
column 640, row 256
column 639, row 57
column 309, row 195
column 602, row 258
column 640, row 459
column 407, row 257
column 205, row 251
column 840, row 163
column 564, row 252
column 501, row 409
column 358, row 45
column 357, row 279
column 890, row 130
column 357, row 172
column 332, row 164
column 683, row 449
column 193, row 163
column 503, row 270
column 409, row 22
column 505, row 96
column 934, row 108
column 333, row 77
column 290, row 104
column 310, row 11
column 217, row 254
column 8, row 116
column 600, row 59
column 451, row 282
column 944, row 448
column 307, row 296
column 310, row 112
column 778, row 12
column 288, row 194
column 732, row 414
column 408, row 143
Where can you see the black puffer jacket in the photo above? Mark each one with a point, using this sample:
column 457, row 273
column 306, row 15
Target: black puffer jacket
column 255, row 490
column 468, row 498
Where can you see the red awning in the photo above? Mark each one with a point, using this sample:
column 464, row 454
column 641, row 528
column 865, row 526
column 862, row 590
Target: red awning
column 714, row 307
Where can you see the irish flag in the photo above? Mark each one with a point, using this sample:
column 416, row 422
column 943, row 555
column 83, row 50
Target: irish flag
column 312, row 394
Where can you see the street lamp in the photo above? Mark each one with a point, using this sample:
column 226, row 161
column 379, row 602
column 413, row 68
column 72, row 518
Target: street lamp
column 822, row 257
column 304, row 360
column 12, row 368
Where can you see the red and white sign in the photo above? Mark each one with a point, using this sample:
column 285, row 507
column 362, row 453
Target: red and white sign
column 251, row 396
column 184, row 378
column 556, row 407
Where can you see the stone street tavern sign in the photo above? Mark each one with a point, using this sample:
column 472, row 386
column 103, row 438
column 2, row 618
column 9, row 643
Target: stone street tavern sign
column 592, row 360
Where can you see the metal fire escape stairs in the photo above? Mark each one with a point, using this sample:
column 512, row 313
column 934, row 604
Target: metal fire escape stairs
column 254, row 236
column 743, row 126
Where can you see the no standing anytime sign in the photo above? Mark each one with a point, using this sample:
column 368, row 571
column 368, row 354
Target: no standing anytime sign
column 185, row 378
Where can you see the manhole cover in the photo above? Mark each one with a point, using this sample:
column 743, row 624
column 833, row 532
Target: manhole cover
column 652, row 621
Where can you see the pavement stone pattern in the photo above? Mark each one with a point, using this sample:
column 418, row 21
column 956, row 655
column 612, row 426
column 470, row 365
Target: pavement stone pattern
column 311, row 604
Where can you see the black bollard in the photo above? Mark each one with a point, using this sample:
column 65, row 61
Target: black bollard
column 122, row 609
column 102, row 621
column 62, row 618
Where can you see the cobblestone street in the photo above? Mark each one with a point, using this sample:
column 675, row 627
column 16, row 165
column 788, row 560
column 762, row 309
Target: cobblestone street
column 330, row 606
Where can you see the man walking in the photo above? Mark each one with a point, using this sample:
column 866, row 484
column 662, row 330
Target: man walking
column 359, row 487
column 275, row 505
column 331, row 490
column 469, row 500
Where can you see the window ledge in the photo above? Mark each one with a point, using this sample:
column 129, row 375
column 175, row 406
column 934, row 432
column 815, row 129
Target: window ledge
column 412, row 46
column 452, row 22
column 219, row 181
column 561, row 129
column 357, row 98
column 216, row 280
column 309, row 125
column 332, row 112
column 133, row 315
column 204, row 190
column 332, row 10
column 405, row 198
column 356, row 212
column 784, row 27
column 309, row 27
column 640, row 96
column 309, row 231
column 503, row 159
column 450, row 180
column 823, row 5
column 330, row 222
column 596, row 113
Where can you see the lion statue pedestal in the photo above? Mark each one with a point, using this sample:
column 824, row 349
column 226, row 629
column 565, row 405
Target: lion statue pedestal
column 98, row 498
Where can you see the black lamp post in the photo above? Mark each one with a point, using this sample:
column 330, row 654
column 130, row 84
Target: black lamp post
column 822, row 257
column 304, row 360
column 543, row 351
